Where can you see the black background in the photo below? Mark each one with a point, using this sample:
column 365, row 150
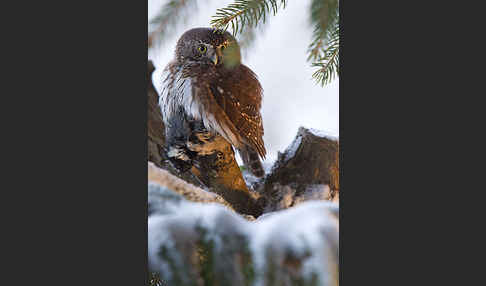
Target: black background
column 74, row 144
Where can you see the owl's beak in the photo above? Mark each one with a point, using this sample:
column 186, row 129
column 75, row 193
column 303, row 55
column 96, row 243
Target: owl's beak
column 219, row 53
column 214, row 58
column 217, row 56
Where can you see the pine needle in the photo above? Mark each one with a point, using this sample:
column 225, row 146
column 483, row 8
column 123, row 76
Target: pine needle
column 323, row 52
column 245, row 14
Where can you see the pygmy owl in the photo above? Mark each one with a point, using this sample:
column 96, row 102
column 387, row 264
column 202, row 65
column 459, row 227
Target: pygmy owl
column 207, row 93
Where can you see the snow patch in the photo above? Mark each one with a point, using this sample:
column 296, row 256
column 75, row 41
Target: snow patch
column 292, row 149
column 268, row 164
column 309, row 234
column 324, row 134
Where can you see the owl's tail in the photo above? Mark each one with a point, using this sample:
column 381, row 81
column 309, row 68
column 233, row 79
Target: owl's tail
column 252, row 161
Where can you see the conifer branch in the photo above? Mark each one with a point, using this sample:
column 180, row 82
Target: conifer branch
column 328, row 63
column 243, row 13
column 324, row 48
column 324, row 16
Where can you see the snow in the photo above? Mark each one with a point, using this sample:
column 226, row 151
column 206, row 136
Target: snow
column 324, row 134
column 253, row 182
column 308, row 233
column 162, row 200
column 172, row 236
column 267, row 165
column 290, row 151
column 250, row 180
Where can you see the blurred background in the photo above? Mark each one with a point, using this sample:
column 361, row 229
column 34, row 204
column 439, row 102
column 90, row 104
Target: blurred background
column 291, row 98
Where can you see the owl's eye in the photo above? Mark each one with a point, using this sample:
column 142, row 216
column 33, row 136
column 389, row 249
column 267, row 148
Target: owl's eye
column 202, row 49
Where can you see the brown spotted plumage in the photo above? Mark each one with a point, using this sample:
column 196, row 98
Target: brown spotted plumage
column 207, row 84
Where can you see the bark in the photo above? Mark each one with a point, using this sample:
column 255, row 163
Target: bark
column 308, row 169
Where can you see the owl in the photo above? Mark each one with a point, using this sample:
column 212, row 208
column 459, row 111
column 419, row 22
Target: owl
column 209, row 95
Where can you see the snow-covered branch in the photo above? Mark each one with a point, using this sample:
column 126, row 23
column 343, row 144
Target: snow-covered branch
column 193, row 243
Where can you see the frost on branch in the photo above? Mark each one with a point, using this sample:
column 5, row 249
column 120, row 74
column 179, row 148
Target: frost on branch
column 192, row 243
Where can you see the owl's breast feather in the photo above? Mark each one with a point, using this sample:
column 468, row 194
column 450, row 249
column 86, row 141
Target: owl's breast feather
column 177, row 92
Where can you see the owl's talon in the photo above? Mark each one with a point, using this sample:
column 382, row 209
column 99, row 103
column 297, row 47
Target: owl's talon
column 180, row 166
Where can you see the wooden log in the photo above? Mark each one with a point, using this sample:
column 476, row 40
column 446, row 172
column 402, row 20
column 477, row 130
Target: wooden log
column 312, row 160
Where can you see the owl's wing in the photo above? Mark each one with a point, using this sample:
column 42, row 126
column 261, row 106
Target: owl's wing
column 239, row 94
column 214, row 116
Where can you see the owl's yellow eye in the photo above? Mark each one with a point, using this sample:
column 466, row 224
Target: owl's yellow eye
column 202, row 49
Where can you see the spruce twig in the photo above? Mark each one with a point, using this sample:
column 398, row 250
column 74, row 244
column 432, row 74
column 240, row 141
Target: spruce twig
column 328, row 63
column 244, row 13
column 324, row 48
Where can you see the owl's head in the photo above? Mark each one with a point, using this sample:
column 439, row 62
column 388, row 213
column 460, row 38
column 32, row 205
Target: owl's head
column 208, row 46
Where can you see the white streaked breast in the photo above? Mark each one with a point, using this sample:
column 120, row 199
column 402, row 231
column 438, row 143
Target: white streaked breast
column 177, row 91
